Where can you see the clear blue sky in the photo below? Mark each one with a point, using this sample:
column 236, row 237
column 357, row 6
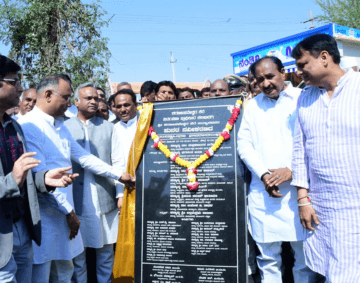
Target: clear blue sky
column 201, row 34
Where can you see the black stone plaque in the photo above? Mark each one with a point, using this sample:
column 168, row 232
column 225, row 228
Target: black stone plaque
column 184, row 236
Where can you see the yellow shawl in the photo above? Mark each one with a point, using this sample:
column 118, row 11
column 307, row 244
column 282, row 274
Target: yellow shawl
column 124, row 264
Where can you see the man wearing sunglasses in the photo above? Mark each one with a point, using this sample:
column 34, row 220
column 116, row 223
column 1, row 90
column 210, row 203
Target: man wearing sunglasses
column 19, row 207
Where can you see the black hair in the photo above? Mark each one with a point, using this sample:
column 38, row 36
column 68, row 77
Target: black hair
column 111, row 99
column 126, row 91
column 99, row 88
column 165, row 83
column 205, row 89
column 147, row 88
column 252, row 68
column 185, row 89
column 7, row 66
column 197, row 93
column 52, row 80
column 275, row 60
column 315, row 44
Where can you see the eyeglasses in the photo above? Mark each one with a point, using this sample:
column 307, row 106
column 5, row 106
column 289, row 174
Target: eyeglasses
column 13, row 82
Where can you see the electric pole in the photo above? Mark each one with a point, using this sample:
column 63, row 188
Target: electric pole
column 173, row 67
column 311, row 19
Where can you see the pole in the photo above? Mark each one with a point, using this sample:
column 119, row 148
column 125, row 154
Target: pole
column 173, row 67
column 311, row 19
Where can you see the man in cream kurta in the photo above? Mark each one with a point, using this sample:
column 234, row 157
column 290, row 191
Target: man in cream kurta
column 265, row 145
column 95, row 197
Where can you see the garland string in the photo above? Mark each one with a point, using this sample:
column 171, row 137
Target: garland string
column 191, row 167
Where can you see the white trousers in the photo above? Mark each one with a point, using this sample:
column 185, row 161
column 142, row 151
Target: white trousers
column 54, row 271
column 269, row 262
column 104, row 265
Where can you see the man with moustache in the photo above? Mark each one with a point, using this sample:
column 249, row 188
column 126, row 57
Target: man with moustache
column 125, row 104
column 219, row 88
column 55, row 147
column 265, row 145
column 326, row 159
column 27, row 102
column 95, row 197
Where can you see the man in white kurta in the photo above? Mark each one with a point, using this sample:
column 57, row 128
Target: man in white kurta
column 125, row 102
column 95, row 196
column 55, row 147
column 265, row 145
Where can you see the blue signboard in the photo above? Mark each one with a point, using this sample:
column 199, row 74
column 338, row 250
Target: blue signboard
column 280, row 48
column 341, row 32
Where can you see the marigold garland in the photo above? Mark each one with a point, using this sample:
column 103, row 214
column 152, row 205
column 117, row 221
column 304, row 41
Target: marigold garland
column 191, row 167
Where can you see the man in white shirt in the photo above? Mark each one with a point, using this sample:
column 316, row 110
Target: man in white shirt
column 47, row 135
column 265, row 145
column 27, row 102
column 95, row 197
column 126, row 106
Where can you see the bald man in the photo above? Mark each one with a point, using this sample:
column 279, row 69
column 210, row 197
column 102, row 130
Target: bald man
column 124, row 85
column 27, row 103
column 219, row 88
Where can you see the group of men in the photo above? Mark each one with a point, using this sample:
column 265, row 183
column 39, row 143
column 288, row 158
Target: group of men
column 301, row 147
column 42, row 206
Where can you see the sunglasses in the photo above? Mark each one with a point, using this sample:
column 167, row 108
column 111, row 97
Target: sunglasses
column 13, row 82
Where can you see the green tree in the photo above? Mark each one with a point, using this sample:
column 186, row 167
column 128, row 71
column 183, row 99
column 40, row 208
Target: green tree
column 341, row 12
column 56, row 36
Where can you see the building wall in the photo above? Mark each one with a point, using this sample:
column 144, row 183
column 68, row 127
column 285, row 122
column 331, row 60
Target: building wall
column 136, row 86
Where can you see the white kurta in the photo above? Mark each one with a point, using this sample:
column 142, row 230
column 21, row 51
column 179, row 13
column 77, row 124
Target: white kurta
column 55, row 147
column 265, row 141
column 125, row 135
column 96, row 229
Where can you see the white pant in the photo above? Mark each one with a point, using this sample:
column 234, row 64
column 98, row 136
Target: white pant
column 269, row 262
column 54, row 271
column 104, row 265
column 18, row 269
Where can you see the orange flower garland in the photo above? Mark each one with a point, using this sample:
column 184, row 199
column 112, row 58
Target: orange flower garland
column 191, row 167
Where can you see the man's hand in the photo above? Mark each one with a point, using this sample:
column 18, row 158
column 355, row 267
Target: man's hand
column 127, row 180
column 162, row 97
column 74, row 224
column 119, row 204
column 22, row 166
column 307, row 216
column 59, row 178
column 144, row 99
column 279, row 176
column 273, row 191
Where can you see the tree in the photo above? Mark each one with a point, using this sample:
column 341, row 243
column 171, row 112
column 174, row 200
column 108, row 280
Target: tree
column 56, row 36
column 341, row 12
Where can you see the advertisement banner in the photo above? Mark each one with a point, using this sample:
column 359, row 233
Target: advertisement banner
column 341, row 32
column 280, row 48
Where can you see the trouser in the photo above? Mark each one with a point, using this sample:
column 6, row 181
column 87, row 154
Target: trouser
column 54, row 271
column 251, row 255
column 104, row 265
column 18, row 269
column 269, row 262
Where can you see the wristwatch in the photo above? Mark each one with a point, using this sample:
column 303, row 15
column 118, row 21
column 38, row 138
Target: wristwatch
column 262, row 176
